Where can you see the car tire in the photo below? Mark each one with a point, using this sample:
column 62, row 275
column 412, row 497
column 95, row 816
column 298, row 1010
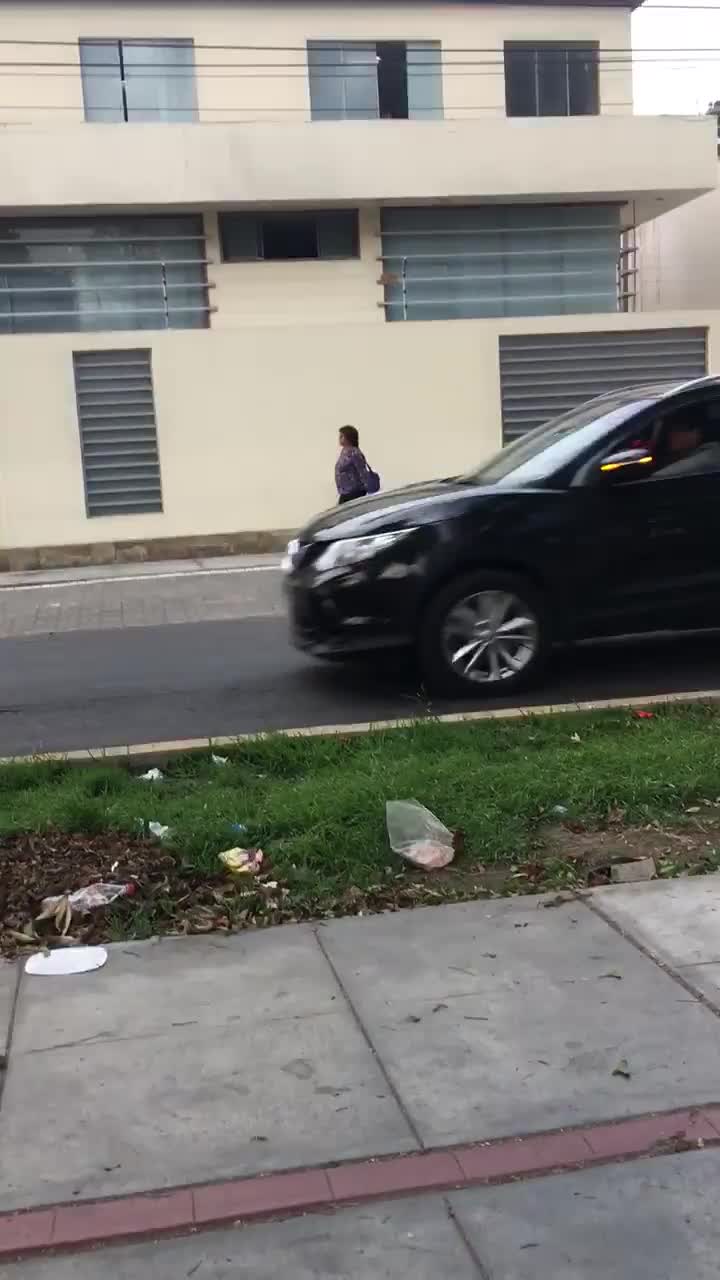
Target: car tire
column 482, row 592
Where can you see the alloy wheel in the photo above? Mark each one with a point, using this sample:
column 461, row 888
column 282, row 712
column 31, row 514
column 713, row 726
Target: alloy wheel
column 489, row 636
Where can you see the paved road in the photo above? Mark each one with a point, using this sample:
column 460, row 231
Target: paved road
column 147, row 684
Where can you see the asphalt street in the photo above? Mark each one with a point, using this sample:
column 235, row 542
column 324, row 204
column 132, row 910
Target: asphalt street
column 105, row 687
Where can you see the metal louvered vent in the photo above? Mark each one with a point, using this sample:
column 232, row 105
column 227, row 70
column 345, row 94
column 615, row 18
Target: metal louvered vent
column 118, row 436
column 546, row 374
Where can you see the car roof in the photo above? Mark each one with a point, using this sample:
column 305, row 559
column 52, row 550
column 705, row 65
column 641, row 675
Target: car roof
column 661, row 390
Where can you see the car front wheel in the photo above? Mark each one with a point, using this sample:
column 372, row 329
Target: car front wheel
column 486, row 633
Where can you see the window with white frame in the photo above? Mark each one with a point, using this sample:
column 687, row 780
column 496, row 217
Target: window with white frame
column 81, row 275
column 369, row 80
column 138, row 81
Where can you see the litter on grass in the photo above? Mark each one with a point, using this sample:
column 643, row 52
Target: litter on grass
column 62, row 907
column 52, row 964
column 417, row 835
column 242, row 861
column 220, row 760
column 152, row 775
column 158, row 830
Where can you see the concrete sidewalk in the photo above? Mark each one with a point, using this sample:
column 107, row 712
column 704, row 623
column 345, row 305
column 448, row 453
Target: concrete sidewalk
column 211, row 1060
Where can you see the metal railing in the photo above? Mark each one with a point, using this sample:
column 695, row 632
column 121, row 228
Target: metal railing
column 162, row 287
column 400, row 278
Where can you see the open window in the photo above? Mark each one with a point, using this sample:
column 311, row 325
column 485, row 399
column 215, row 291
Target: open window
column 369, row 80
column 289, row 236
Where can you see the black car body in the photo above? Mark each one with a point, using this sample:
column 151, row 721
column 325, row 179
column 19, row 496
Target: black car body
column 603, row 522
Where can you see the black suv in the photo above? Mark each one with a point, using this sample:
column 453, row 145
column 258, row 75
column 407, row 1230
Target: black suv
column 604, row 522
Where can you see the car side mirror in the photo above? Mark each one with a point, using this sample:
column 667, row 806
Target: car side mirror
column 631, row 464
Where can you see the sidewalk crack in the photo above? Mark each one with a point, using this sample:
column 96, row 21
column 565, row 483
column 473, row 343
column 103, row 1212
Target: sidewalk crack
column 5, row 1055
column 395, row 1095
column 699, row 997
column 483, row 1272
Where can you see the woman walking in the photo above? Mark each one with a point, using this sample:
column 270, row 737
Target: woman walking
column 352, row 474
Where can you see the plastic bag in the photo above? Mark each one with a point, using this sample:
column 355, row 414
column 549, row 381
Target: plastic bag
column 416, row 834
column 242, row 861
column 87, row 899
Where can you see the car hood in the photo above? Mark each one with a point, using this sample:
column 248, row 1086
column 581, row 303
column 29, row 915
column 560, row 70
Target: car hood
column 414, row 504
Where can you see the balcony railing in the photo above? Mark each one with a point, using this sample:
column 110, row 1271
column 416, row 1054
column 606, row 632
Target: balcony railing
column 43, row 308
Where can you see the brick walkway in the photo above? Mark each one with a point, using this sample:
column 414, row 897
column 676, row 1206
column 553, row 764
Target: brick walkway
column 113, row 599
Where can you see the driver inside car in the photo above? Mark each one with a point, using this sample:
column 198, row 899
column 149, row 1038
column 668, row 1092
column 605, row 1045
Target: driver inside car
column 690, row 450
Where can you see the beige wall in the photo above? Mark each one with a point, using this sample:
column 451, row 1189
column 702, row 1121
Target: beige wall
column 247, row 418
column 679, row 257
column 257, row 91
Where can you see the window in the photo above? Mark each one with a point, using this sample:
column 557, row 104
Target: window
column 118, row 434
column 81, row 275
column 551, row 79
column 688, row 441
column 443, row 263
column 389, row 80
column 138, row 80
column 322, row 233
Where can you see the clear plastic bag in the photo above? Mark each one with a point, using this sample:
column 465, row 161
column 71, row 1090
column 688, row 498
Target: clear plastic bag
column 417, row 835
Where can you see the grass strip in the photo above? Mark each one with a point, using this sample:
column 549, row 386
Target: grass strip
column 316, row 806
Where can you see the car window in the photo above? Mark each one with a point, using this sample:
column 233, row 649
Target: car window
column 537, row 455
column 688, row 442
column 683, row 441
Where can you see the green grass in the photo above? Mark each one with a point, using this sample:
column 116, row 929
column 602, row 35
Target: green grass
column 317, row 805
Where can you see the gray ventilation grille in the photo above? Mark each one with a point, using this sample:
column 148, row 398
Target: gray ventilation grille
column 545, row 374
column 118, row 436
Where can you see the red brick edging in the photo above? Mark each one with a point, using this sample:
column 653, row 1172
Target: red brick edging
column 184, row 1209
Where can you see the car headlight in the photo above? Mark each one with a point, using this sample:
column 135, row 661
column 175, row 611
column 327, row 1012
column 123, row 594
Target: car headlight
column 291, row 551
column 350, row 551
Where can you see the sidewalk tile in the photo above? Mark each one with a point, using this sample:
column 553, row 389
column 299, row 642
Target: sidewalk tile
column 526, row 1155
column 635, row 1136
column 78, row 1224
column 198, row 1060
column 26, row 1230
column 389, row 1177
column 259, row 1196
column 500, row 1018
column 639, row 1220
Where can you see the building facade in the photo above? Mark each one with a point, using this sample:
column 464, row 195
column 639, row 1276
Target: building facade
column 228, row 229
column 678, row 257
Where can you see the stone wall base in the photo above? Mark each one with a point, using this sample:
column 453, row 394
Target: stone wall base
column 18, row 559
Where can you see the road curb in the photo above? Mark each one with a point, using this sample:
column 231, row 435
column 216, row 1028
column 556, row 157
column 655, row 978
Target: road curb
column 158, row 752
column 185, row 1210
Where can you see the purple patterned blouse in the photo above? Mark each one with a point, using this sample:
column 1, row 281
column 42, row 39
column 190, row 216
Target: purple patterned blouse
column 351, row 471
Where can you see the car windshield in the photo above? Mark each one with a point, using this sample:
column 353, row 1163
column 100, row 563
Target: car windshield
column 540, row 453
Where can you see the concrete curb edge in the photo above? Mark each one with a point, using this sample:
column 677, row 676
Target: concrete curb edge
column 157, row 752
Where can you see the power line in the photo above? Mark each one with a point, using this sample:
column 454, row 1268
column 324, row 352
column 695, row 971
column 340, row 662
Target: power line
column 328, row 70
column 329, row 46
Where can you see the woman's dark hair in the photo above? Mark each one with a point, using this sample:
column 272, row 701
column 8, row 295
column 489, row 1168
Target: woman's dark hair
column 350, row 436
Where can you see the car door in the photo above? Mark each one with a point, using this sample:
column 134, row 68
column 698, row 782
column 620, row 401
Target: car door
column 652, row 542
